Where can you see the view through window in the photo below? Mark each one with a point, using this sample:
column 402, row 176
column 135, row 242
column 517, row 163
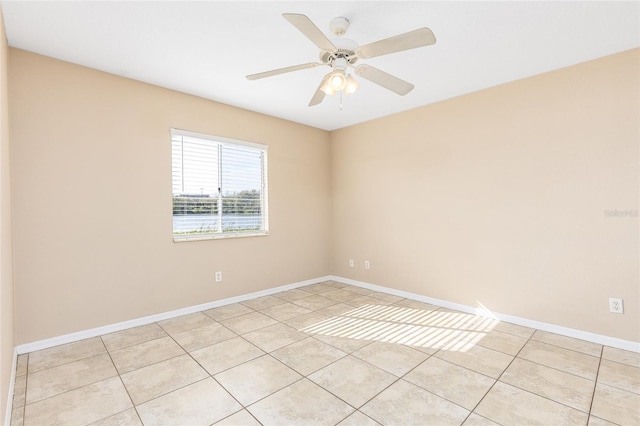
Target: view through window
column 219, row 187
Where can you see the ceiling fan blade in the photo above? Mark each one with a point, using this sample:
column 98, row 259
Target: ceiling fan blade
column 308, row 28
column 411, row 40
column 319, row 95
column 384, row 79
column 282, row 70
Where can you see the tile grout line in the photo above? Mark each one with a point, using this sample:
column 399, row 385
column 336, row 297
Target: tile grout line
column 79, row 387
column 137, row 343
column 569, row 349
column 452, row 363
column 306, row 376
column 546, row 397
column 303, row 376
column 209, row 374
column 68, row 362
column 250, row 313
column 542, row 365
column 498, row 379
column 557, row 369
column 233, row 414
column 399, row 378
column 26, row 389
column 619, row 362
column 73, row 389
column 133, row 405
column 155, row 363
column 595, row 384
column 433, row 355
column 196, row 361
column 245, row 407
column 613, row 385
column 225, row 319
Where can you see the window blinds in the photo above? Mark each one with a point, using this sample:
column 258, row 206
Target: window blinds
column 219, row 187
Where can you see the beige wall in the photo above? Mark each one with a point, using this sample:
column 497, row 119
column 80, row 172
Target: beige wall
column 7, row 342
column 499, row 198
column 92, row 201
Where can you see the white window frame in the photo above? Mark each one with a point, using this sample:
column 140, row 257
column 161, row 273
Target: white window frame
column 220, row 234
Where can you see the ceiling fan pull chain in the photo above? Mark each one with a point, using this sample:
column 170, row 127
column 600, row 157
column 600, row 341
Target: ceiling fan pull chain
column 341, row 100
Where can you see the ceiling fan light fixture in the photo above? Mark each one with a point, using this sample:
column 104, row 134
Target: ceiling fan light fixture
column 351, row 86
column 337, row 80
column 328, row 89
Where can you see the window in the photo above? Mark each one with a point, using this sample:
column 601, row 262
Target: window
column 219, row 187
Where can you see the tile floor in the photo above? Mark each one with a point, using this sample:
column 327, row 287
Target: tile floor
column 328, row 354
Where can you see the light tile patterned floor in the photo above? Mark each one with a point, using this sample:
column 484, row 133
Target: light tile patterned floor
column 328, row 354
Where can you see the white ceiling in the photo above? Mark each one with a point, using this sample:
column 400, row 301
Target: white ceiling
column 207, row 48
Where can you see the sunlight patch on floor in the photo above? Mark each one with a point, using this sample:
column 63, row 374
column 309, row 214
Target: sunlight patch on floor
column 437, row 329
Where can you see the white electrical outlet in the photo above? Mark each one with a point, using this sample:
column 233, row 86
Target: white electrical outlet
column 218, row 276
column 367, row 265
column 351, row 263
column 616, row 306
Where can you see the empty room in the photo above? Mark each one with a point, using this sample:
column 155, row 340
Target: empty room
column 319, row 213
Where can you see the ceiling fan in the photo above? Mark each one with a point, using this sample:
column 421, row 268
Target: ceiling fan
column 342, row 53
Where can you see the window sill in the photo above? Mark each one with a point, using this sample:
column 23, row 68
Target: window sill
column 218, row 237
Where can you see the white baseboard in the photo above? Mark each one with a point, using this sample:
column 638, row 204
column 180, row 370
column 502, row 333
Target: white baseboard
column 614, row 342
column 552, row 328
column 12, row 382
column 99, row 331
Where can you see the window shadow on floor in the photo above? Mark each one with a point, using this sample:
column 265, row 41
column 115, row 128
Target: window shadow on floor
column 436, row 329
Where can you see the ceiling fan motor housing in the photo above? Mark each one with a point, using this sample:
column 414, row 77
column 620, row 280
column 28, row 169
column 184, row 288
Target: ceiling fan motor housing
column 345, row 48
column 339, row 25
